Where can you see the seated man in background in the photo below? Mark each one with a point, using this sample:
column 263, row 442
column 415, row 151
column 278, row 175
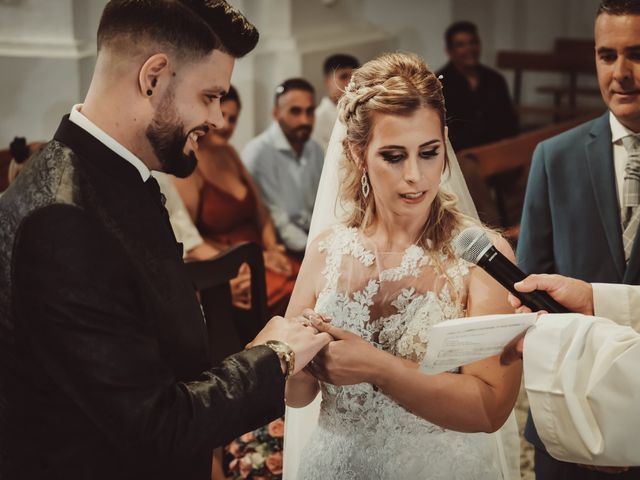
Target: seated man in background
column 480, row 111
column 286, row 164
column 477, row 98
column 337, row 71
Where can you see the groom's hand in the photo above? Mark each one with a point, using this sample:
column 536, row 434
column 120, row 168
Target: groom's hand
column 304, row 341
column 346, row 361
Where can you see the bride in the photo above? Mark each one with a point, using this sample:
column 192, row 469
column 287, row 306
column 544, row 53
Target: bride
column 384, row 274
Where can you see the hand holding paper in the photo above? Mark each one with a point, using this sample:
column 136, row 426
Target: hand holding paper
column 457, row 342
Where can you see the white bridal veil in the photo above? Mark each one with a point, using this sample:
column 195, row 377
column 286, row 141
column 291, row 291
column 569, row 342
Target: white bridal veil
column 300, row 422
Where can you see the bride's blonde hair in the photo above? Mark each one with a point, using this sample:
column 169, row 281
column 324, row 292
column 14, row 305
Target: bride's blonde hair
column 392, row 84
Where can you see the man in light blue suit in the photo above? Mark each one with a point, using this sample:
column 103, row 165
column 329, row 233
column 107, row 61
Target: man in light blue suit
column 581, row 209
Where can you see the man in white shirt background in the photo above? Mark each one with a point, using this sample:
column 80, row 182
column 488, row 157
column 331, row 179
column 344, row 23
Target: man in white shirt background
column 337, row 71
column 286, row 163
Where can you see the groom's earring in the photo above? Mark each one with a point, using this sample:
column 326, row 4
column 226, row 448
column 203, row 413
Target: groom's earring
column 364, row 182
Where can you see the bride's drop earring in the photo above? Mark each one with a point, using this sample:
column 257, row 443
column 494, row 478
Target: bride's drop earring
column 364, row 182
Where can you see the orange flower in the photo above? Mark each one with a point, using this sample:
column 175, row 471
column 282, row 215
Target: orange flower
column 248, row 437
column 274, row 463
column 276, row 428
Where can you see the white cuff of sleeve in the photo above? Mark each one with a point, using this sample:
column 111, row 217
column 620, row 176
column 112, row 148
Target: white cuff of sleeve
column 612, row 301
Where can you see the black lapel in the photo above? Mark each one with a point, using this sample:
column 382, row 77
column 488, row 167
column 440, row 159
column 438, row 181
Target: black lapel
column 119, row 183
column 599, row 152
column 120, row 173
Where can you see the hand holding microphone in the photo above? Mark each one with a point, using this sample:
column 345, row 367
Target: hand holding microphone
column 576, row 295
column 473, row 245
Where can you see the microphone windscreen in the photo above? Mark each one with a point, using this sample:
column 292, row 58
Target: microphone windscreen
column 471, row 243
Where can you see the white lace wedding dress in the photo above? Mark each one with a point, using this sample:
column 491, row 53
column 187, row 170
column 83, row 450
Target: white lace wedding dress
column 390, row 299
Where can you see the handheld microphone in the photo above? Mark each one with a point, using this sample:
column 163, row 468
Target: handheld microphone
column 474, row 246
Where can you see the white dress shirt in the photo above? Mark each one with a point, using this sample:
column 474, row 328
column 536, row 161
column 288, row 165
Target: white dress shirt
column 92, row 129
column 288, row 183
column 581, row 377
column 326, row 116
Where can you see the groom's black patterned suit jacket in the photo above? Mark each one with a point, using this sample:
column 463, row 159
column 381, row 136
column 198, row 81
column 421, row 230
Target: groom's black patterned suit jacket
column 103, row 357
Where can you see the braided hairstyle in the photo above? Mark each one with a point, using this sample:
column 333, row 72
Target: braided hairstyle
column 392, row 84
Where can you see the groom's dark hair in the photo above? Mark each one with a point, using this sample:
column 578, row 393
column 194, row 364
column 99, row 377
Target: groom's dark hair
column 190, row 29
column 619, row 7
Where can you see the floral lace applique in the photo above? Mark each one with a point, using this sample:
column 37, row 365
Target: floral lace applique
column 363, row 433
column 412, row 262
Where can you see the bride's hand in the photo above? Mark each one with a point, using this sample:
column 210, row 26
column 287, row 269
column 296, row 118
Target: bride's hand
column 311, row 318
column 346, row 361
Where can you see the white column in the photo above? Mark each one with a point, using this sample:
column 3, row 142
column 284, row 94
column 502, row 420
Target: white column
column 47, row 51
column 295, row 38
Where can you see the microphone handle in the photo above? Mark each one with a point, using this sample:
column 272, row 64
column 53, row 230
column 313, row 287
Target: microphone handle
column 506, row 273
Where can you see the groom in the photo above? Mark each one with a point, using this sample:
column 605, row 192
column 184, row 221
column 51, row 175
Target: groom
column 103, row 357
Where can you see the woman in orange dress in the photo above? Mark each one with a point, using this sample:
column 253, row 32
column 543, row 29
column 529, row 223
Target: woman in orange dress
column 225, row 205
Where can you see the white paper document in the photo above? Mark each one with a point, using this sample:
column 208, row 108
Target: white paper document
column 457, row 342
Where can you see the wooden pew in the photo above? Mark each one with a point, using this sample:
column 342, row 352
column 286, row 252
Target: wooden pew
column 571, row 57
column 509, row 155
column 514, row 152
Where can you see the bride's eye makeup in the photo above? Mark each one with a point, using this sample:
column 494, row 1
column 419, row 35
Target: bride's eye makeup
column 392, row 156
column 395, row 156
column 433, row 152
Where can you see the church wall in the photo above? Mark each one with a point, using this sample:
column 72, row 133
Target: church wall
column 47, row 48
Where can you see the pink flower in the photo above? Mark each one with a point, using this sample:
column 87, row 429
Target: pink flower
column 233, row 464
column 274, row 463
column 248, row 437
column 235, row 449
column 276, row 428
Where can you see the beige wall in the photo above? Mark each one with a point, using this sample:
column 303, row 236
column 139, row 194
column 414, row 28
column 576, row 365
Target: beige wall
column 47, row 46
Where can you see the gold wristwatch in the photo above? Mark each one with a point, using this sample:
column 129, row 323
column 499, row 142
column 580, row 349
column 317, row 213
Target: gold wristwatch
column 285, row 353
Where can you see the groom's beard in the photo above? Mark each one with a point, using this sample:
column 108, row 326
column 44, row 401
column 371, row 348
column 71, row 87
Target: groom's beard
column 167, row 138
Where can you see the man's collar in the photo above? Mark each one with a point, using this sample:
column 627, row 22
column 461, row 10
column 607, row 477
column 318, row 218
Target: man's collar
column 279, row 139
column 91, row 128
column 618, row 130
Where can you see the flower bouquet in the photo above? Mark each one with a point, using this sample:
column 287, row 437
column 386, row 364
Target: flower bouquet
column 257, row 455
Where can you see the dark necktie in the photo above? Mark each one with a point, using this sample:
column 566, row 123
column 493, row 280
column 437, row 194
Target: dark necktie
column 158, row 197
column 154, row 190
